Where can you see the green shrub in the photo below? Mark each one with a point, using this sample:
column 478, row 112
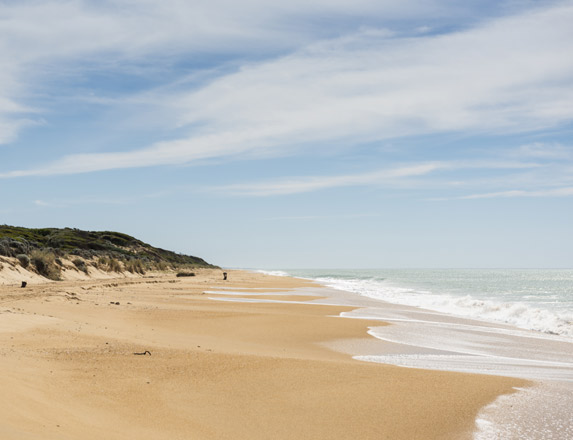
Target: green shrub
column 24, row 260
column 45, row 264
column 5, row 249
column 10, row 247
column 185, row 274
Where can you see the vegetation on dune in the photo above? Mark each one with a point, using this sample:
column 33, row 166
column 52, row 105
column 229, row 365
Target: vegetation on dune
column 134, row 266
column 24, row 260
column 109, row 251
column 80, row 264
column 45, row 264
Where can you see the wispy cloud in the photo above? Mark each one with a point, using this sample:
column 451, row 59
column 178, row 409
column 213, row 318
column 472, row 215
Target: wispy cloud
column 309, row 184
column 97, row 200
column 555, row 192
column 49, row 38
column 508, row 75
column 543, row 150
column 319, row 217
column 397, row 176
column 44, row 204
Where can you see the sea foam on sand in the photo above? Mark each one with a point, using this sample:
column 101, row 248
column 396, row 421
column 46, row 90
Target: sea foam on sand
column 433, row 340
column 541, row 412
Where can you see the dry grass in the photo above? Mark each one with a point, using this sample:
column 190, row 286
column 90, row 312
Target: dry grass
column 45, row 264
column 134, row 266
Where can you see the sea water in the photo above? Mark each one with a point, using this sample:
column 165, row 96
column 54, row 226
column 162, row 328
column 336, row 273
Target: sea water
column 535, row 299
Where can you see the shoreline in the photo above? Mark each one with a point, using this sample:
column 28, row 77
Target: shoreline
column 529, row 299
column 217, row 369
column 435, row 340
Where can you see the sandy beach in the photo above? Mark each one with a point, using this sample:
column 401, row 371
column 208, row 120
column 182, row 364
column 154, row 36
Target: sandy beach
column 216, row 370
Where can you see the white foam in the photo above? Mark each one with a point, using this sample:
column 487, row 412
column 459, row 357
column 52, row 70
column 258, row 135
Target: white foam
column 542, row 412
column 497, row 366
column 437, row 341
column 432, row 340
column 515, row 313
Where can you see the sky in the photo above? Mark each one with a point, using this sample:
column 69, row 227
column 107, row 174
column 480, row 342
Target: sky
column 300, row 134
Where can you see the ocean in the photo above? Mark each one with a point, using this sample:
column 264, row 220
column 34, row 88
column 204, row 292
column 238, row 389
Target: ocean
column 534, row 299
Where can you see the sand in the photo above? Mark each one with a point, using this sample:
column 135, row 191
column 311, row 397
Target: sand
column 217, row 369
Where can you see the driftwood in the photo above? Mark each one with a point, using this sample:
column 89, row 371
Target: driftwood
column 144, row 353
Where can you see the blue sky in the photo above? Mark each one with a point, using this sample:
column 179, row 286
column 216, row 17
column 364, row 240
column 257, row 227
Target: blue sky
column 309, row 134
